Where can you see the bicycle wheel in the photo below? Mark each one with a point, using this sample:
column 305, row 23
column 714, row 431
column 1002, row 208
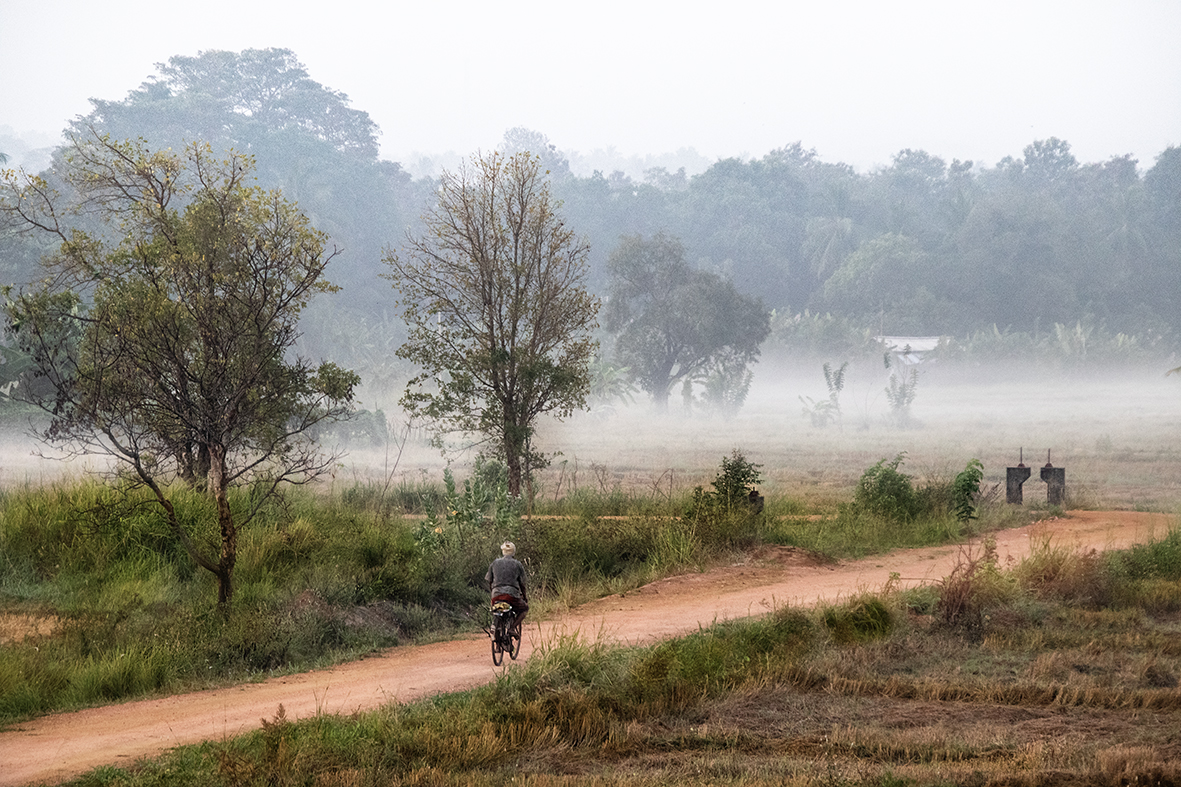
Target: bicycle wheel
column 514, row 644
column 497, row 640
column 497, row 649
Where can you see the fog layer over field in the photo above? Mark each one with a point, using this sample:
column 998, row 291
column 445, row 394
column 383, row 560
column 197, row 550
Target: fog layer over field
column 1119, row 438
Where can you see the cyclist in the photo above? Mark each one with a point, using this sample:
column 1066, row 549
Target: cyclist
column 506, row 578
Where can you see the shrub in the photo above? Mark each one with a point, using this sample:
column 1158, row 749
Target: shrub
column 1062, row 574
column 1160, row 559
column 974, row 586
column 726, row 516
column 887, row 493
column 965, row 490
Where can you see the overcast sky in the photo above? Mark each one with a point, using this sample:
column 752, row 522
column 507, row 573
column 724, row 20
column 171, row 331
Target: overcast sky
column 857, row 81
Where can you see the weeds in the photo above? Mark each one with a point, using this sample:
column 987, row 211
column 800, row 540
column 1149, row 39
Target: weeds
column 974, row 586
column 885, row 492
column 859, row 620
column 729, row 515
column 965, row 490
column 900, row 393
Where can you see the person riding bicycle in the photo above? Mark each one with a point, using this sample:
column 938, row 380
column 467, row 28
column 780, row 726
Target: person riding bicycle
column 506, row 578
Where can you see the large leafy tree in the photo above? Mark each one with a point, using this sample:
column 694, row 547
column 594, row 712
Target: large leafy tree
column 250, row 99
column 164, row 337
column 306, row 139
column 677, row 323
column 889, row 282
column 499, row 316
column 749, row 219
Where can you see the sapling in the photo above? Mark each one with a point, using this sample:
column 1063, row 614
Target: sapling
column 824, row 412
column 900, row 394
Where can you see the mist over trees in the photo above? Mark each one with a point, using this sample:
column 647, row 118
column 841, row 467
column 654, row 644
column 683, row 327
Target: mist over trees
column 923, row 245
column 1034, row 244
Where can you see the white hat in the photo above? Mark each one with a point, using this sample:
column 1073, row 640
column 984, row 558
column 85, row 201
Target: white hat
column 508, row 548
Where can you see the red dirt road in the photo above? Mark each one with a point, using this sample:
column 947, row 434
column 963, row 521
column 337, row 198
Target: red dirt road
column 54, row 748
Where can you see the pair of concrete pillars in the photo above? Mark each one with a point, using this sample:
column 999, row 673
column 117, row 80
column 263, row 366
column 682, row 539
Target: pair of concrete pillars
column 1055, row 478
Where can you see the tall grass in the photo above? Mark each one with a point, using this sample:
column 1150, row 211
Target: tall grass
column 324, row 577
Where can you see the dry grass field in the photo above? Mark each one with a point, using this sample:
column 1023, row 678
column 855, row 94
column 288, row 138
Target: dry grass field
column 1119, row 439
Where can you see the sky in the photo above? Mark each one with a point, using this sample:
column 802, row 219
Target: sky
column 857, row 81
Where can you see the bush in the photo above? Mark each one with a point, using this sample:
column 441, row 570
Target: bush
column 862, row 619
column 974, row 586
column 1157, row 560
column 728, row 516
column 887, row 493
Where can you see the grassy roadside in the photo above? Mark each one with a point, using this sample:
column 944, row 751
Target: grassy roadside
column 116, row 610
column 1063, row 669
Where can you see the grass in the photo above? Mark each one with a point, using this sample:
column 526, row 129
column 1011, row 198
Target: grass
column 326, row 576
column 1052, row 687
column 133, row 616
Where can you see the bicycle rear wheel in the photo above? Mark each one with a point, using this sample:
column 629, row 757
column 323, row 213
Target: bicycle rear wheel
column 498, row 634
column 514, row 643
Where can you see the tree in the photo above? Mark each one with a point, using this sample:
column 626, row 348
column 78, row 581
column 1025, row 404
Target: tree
column 550, row 159
column 675, row 322
column 1049, row 162
column 882, row 275
column 307, row 140
column 164, row 335
column 499, row 316
column 248, row 99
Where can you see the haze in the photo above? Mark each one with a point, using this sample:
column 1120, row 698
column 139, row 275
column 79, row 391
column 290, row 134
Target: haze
column 857, row 81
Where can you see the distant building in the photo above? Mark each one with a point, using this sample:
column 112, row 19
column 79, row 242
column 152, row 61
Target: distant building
column 909, row 350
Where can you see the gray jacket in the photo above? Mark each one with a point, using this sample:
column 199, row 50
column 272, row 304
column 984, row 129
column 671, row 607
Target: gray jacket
column 506, row 575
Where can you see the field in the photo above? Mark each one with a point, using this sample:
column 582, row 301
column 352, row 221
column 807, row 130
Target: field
column 1118, row 437
column 1062, row 669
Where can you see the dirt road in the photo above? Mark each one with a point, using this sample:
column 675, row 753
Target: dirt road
column 54, row 748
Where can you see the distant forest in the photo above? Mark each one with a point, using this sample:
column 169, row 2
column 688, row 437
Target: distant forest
column 1034, row 245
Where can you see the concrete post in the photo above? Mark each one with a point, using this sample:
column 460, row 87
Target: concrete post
column 1055, row 478
column 1014, row 478
column 756, row 501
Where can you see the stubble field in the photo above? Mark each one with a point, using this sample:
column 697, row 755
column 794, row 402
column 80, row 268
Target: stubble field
column 1119, row 437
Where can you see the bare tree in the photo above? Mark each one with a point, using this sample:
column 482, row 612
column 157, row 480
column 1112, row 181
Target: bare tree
column 500, row 318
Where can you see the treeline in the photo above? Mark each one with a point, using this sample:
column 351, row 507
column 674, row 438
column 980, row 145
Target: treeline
column 923, row 246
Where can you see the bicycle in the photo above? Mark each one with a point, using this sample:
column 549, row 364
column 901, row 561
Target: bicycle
column 504, row 639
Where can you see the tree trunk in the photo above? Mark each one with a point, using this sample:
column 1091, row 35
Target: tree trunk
column 225, row 520
column 660, row 398
column 512, row 461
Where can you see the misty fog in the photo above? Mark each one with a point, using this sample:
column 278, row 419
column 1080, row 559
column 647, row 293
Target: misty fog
column 1117, row 434
column 1054, row 279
